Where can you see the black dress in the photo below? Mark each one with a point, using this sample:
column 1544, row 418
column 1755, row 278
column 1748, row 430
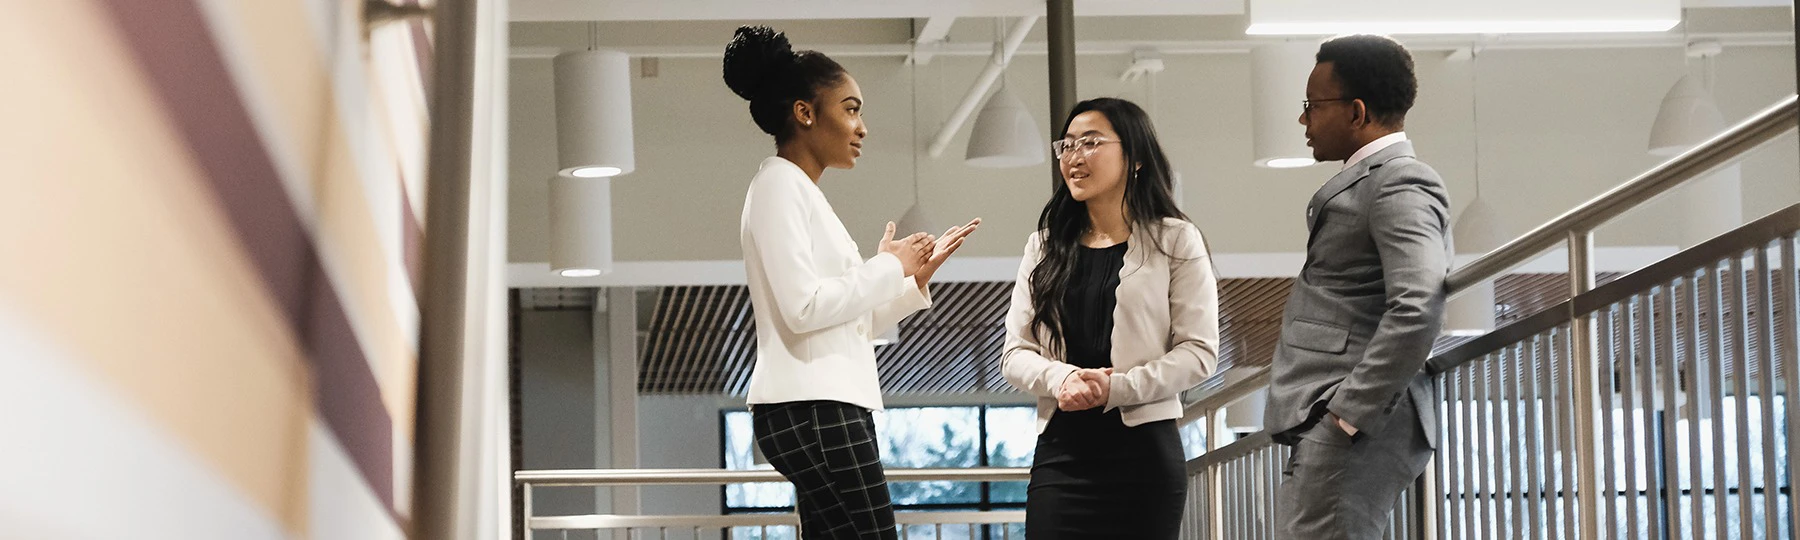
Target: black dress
column 1092, row 476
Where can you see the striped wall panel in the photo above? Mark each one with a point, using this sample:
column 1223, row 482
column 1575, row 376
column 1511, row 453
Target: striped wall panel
column 702, row 340
column 208, row 319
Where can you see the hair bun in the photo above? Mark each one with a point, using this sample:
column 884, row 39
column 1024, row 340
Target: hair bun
column 755, row 55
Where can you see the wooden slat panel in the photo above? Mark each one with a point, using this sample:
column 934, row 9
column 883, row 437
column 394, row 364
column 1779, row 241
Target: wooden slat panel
column 702, row 339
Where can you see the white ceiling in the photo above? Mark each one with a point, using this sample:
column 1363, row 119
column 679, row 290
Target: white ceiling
column 697, row 10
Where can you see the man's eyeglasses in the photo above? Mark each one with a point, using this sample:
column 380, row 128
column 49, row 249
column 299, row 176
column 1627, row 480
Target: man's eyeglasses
column 1064, row 149
column 1306, row 105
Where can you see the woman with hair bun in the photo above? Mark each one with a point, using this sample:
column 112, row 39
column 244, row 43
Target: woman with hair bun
column 818, row 304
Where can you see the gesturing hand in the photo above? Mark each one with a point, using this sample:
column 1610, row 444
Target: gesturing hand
column 945, row 246
column 913, row 251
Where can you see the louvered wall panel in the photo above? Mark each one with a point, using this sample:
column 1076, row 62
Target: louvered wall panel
column 702, row 339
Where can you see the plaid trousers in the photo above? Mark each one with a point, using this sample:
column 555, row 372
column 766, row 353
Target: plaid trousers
column 827, row 449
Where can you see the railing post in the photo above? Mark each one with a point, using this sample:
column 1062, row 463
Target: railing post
column 1582, row 347
column 1426, row 498
column 1215, row 486
column 525, row 516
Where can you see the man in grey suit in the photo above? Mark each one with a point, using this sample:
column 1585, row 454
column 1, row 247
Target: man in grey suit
column 1347, row 387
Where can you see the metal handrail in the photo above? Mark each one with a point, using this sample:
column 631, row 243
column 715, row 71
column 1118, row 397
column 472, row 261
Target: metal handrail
column 648, row 477
column 604, row 521
column 1761, row 231
column 1720, row 151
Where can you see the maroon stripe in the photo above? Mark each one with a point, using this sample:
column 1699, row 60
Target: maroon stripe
column 176, row 50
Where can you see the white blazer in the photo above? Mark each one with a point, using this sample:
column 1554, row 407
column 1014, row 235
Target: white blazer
column 1165, row 336
column 818, row 305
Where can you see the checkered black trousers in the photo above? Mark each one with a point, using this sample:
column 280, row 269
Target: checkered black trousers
column 827, row 449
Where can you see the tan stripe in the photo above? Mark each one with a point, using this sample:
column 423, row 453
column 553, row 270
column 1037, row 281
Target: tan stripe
column 294, row 78
column 129, row 264
column 346, row 235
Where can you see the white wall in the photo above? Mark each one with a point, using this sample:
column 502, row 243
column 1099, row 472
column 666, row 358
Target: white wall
column 1554, row 127
column 557, row 402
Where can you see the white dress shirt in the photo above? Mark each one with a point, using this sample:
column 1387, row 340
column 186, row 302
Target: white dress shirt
column 1374, row 146
column 817, row 304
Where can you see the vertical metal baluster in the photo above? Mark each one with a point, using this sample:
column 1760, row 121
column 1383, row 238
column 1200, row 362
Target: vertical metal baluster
column 1259, row 493
column 1471, row 481
column 1241, row 476
column 1573, row 507
column 1228, row 498
column 1670, row 446
column 1252, row 526
column 1484, row 450
column 1787, row 359
column 1503, row 442
column 1245, row 502
column 1765, row 395
column 1528, row 395
column 1715, row 391
column 1628, row 401
column 1548, row 433
column 1237, row 496
column 525, row 516
column 1225, row 501
column 1231, row 499
column 1496, row 423
column 1645, row 370
column 1612, row 326
column 1277, row 456
column 1691, row 383
column 1449, row 447
column 1740, row 384
column 1515, row 415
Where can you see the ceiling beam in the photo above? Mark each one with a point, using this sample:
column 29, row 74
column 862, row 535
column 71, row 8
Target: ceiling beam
column 1233, row 46
column 734, row 10
column 930, row 37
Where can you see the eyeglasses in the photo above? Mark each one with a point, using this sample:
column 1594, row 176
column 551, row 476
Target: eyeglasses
column 1306, row 105
column 1065, row 148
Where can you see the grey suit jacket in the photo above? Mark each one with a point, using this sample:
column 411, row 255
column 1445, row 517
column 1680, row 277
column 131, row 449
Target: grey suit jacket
column 1367, row 307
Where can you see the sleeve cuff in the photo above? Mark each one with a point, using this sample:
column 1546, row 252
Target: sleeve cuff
column 1059, row 373
column 923, row 291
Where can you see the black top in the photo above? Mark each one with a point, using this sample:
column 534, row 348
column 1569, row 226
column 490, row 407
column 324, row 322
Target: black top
column 1087, row 325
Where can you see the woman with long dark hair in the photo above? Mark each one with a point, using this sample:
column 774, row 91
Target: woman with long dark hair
column 1114, row 314
column 817, row 303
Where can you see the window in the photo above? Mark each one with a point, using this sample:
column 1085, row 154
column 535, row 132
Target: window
column 910, row 437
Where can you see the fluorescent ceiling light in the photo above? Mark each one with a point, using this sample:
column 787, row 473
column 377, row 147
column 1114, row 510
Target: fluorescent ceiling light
column 1324, row 28
column 1330, row 17
column 1278, row 74
column 593, row 114
column 1289, row 163
column 596, row 172
column 581, row 238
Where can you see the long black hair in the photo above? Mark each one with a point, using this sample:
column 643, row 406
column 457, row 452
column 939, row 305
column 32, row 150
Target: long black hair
column 762, row 67
column 1149, row 199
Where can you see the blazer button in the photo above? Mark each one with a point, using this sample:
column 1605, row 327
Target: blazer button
column 862, row 330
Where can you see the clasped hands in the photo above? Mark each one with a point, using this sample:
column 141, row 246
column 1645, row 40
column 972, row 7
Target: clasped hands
column 1084, row 389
